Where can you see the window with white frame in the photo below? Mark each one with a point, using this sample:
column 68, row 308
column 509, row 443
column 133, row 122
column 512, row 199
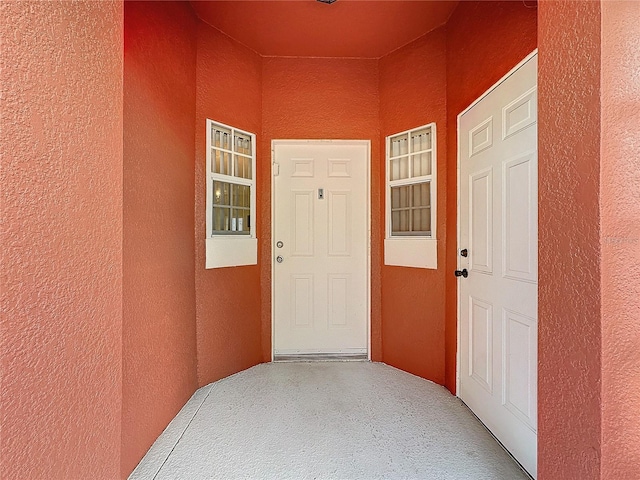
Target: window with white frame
column 411, row 198
column 231, row 192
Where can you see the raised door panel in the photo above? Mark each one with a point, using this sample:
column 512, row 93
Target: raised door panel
column 519, row 366
column 302, row 167
column 339, row 228
column 302, row 293
column 520, row 113
column 339, row 287
column 481, row 221
column 481, row 137
column 519, row 210
column 302, row 223
column 481, row 342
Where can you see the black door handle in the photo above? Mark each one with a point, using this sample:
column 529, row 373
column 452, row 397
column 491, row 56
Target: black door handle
column 461, row 273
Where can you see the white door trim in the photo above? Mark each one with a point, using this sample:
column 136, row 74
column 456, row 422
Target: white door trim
column 477, row 100
column 367, row 143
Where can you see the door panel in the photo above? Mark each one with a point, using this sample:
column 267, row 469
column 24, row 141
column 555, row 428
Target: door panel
column 320, row 216
column 339, row 228
column 480, row 236
column 481, row 342
column 302, row 223
column 519, row 218
column 498, row 227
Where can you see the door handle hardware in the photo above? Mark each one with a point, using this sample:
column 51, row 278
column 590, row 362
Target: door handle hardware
column 464, row 252
column 461, row 273
column 279, row 259
column 279, row 244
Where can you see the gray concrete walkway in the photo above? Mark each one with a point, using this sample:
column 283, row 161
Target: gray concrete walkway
column 325, row 420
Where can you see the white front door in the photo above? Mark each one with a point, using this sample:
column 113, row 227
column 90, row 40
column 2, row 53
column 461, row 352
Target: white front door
column 320, row 249
column 499, row 230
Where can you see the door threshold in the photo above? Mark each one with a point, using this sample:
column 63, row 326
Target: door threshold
column 321, row 357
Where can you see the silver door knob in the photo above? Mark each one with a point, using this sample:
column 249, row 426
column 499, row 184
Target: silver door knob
column 279, row 259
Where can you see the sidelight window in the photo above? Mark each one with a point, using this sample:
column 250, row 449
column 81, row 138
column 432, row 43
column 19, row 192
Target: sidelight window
column 411, row 197
column 231, row 192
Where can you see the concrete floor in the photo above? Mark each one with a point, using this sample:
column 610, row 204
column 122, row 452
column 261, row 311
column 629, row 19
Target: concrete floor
column 325, row 420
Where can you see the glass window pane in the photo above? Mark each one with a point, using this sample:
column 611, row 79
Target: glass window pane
column 231, row 207
column 404, row 220
column 242, row 144
column 221, row 193
column 405, row 196
column 400, row 168
column 400, row 221
column 400, row 197
column 421, row 140
column 395, row 221
column 220, row 137
column 220, row 162
column 221, row 219
column 241, row 196
column 395, row 198
column 226, row 140
column 240, row 220
column 242, row 166
column 238, row 166
column 246, row 225
column 215, row 160
column 421, row 195
column 248, row 169
column 421, row 220
column 421, row 164
column 225, row 167
column 426, row 219
column 246, row 197
column 398, row 146
column 404, row 146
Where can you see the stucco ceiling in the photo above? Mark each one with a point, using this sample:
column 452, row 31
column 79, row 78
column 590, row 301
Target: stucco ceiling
column 307, row 28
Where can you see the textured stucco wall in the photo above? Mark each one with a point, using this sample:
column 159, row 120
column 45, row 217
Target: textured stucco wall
column 229, row 90
column 61, row 210
column 159, row 329
column 569, row 240
column 620, row 237
column 484, row 41
column 313, row 98
column 412, row 93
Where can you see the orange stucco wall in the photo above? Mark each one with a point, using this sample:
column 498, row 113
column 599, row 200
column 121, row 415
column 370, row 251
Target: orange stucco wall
column 100, row 338
column 620, row 239
column 159, row 330
column 412, row 93
column 569, row 360
column 229, row 79
column 61, row 208
column 484, row 41
column 307, row 98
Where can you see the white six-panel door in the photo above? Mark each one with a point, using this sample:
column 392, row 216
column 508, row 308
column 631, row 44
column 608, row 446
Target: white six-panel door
column 498, row 227
column 320, row 241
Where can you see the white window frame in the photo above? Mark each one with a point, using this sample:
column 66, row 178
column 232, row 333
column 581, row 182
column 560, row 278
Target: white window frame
column 230, row 249
column 411, row 250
